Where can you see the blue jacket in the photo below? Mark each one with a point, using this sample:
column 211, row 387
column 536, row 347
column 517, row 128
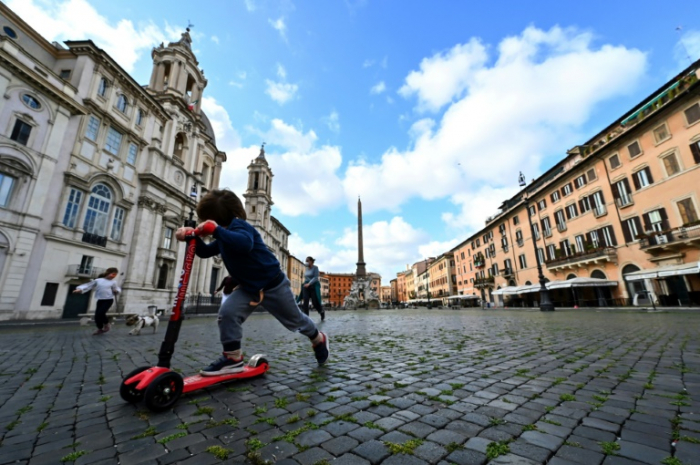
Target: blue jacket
column 247, row 258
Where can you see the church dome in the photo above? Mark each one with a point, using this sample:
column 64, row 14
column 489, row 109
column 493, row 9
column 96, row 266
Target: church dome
column 208, row 130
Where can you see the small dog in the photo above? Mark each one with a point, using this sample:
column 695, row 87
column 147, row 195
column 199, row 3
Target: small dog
column 140, row 322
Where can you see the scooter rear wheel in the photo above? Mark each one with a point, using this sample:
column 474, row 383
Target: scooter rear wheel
column 128, row 392
column 164, row 391
column 260, row 362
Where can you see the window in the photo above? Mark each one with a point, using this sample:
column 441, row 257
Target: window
column 536, row 228
column 92, row 129
column 671, row 164
column 21, row 131
column 655, row 220
column 131, row 157
column 102, row 87
column 565, row 247
column 631, row 229
column 72, row 208
column 542, row 204
column 478, row 242
column 661, row 133
column 622, row 193
column 502, row 228
column 687, row 211
column 695, row 150
column 580, row 181
column 139, row 117
column 614, row 161
column 519, row 237
column 508, row 266
column 642, row 178
column 532, row 210
column 554, row 197
column 10, row 32
column 595, row 242
column 598, row 204
column 85, row 264
column 122, row 103
column 540, row 256
column 114, row 141
column 551, row 251
column 6, row 183
column 590, row 174
column 117, row 224
column 580, row 243
column 64, row 74
column 31, row 102
column 167, row 238
column 634, row 149
column 608, row 236
column 162, row 277
column 495, row 269
column 560, row 220
column 49, row 297
column 692, row 114
column 98, row 211
column 516, row 220
column 523, row 261
column 567, row 189
column 546, row 227
column 571, row 211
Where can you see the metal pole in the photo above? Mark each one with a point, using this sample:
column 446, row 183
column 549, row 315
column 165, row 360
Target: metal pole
column 546, row 304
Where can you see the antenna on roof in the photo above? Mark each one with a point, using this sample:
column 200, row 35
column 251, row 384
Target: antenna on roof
column 189, row 25
column 680, row 41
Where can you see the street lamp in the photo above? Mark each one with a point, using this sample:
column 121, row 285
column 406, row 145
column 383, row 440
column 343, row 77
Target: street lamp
column 546, row 304
column 191, row 223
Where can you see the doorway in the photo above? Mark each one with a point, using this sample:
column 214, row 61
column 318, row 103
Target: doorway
column 75, row 303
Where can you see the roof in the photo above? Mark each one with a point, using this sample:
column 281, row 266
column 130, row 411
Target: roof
column 208, row 129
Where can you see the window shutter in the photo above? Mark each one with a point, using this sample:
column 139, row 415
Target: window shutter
column 615, row 191
column 626, row 231
column 562, row 192
column 635, row 180
column 581, row 205
column 587, row 241
column 626, row 182
column 568, row 215
column 651, row 179
column 602, row 197
column 647, row 222
column 551, row 197
column 612, row 235
column 664, row 219
column 695, row 149
column 638, row 224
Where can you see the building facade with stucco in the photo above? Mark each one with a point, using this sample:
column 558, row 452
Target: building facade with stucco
column 97, row 171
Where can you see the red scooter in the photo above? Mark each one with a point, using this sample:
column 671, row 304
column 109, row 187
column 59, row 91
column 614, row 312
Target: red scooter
column 160, row 387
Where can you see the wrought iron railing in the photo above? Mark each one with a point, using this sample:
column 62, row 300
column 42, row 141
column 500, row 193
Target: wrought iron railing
column 580, row 256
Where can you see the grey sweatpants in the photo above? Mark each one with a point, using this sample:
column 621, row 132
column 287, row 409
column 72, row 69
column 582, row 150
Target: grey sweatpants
column 279, row 301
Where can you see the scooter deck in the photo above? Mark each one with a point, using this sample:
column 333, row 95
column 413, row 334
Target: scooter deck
column 192, row 383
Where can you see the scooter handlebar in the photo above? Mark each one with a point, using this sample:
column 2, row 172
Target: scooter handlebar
column 206, row 229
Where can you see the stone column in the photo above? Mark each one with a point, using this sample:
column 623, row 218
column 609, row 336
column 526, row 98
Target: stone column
column 141, row 245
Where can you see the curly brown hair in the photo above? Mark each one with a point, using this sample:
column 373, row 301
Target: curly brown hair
column 222, row 206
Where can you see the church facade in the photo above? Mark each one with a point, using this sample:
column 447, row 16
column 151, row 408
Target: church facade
column 97, row 171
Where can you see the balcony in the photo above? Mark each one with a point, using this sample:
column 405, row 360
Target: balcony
column 580, row 259
column 479, row 263
column 625, row 200
column 484, row 282
column 670, row 240
column 94, row 239
column 81, row 271
column 507, row 273
column 547, row 233
column 599, row 211
column 561, row 227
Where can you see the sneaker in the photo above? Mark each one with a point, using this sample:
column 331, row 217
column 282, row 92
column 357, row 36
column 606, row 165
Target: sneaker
column 98, row 332
column 223, row 366
column 105, row 328
column 322, row 350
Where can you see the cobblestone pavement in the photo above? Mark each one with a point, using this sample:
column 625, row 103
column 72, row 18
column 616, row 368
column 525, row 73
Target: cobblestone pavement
column 403, row 386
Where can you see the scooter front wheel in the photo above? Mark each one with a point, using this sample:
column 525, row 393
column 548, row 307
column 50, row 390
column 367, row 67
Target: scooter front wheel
column 128, row 392
column 164, row 391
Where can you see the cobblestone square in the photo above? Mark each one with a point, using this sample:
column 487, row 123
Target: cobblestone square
column 403, row 386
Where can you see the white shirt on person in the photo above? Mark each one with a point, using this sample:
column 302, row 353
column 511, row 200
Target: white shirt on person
column 104, row 288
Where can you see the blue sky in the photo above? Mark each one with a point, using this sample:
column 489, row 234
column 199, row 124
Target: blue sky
column 428, row 110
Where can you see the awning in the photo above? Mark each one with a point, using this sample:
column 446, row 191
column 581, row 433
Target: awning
column 508, row 290
column 664, row 271
column 462, row 297
column 581, row 282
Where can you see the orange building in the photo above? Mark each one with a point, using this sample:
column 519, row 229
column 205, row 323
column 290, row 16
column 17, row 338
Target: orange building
column 338, row 287
column 442, row 276
column 402, row 278
column 615, row 222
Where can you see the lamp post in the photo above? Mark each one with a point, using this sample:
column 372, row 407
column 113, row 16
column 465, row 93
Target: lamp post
column 191, row 223
column 546, row 304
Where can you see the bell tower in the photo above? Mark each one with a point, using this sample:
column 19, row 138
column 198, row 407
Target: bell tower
column 176, row 73
column 258, row 195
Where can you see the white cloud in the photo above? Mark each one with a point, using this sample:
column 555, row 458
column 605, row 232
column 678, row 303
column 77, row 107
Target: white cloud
column 250, row 5
column 279, row 26
column 215, row 39
column 233, row 172
column 688, row 46
column 332, row 121
column 503, row 114
column 287, row 136
column 386, row 243
column 125, row 41
column 281, row 72
column 281, row 92
column 367, row 63
column 378, row 88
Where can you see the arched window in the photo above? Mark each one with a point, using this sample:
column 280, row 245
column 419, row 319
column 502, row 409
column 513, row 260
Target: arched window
column 179, row 145
column 633, row 287
column 122, row 103
column 97, row 216
column 102, row 87
column 571, row 276
column 597, row 274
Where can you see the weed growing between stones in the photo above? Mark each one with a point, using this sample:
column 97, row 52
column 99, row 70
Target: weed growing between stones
column 150, row 431
column 219, row 452
column 73, row 456
column 172, row 437
column 496, row 449
column 405, row 448
column 609, row 448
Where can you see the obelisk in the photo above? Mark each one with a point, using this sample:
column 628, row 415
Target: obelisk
column 361, row 271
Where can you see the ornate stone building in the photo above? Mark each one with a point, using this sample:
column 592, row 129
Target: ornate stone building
column 258, row 206
column 96, row 171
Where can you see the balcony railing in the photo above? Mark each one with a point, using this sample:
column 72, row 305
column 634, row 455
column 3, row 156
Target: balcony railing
column 481, row 282
column 561, row 227
column 665, row 239
column 600, row 210
column 94, row 239
column 80, row 271
column 479, row 263
column 603, row 253
column 507, row 272
column 624, row 201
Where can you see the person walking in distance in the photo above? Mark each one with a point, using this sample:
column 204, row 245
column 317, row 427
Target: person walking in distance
column 311, row 289
column 106, row 288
